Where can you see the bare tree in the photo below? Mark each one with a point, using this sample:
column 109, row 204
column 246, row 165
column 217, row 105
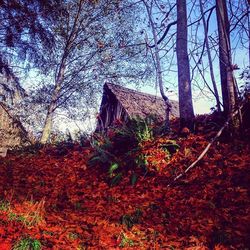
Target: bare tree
column 158, row 66
column 210, row 61
column 92, row 45
column 73, row 29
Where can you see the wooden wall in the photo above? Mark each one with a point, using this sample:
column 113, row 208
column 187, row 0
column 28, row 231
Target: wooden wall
column 11, row 132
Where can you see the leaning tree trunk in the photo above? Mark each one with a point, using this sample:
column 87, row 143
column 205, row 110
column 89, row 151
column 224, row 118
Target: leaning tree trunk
column 159, row 69
column 184, row 82
column 226, row 70
column 52, row 106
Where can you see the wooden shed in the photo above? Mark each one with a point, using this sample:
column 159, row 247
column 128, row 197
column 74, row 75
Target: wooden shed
column 120, row 103
column 12, row 133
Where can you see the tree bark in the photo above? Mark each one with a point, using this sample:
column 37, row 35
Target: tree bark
column 184, row 82
column 52, row 106
column 226, row 71
column 159, row 68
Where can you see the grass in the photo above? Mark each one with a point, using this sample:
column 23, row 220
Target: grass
column 30, row 213
column 27, row 244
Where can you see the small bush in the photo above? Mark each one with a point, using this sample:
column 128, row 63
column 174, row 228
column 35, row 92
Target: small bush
column 129, row 150
column 27, row 244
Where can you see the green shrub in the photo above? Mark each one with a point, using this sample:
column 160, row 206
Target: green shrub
column 125, row 241
column 120, row 151
column 28, row 244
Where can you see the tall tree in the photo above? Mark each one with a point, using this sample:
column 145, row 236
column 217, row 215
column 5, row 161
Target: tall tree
column 226, row 70
column 91, row 46
column 184, row 82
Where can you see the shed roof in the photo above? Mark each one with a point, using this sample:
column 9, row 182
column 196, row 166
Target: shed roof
column 141, row 104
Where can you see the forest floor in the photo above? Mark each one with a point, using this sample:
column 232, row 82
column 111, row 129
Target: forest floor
column 51, row 198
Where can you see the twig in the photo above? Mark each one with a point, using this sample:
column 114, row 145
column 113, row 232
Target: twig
column 208, row 146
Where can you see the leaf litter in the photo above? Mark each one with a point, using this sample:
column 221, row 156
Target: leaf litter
column 56, row 198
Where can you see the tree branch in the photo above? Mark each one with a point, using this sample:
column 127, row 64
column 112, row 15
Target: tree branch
column 208, row 146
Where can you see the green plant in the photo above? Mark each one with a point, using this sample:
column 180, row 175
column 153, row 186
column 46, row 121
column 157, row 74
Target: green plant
column 73, row 236
column 141, row 161
column 28, row 221
column 125, row 241
column 116, row 179
column 112, row 168
column 4, row 205
column 137, row 129
column 14, row 217
column 143, row 132
column 133, row 179
column 33, row 215
column 104, row 154
column 102, row 150
column 131, row 219
column 27, row 244
column 32, row 219
column 120, row 150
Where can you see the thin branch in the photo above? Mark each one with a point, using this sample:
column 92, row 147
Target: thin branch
column 209, row 145
column 164, row 34
column 239, row 20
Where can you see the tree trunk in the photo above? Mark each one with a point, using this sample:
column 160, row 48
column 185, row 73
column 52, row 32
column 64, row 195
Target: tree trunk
column 226, row 71
column 184, row 82
column 216, row 94
column 49, row 117
column 52, row 106
column 158, row 68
